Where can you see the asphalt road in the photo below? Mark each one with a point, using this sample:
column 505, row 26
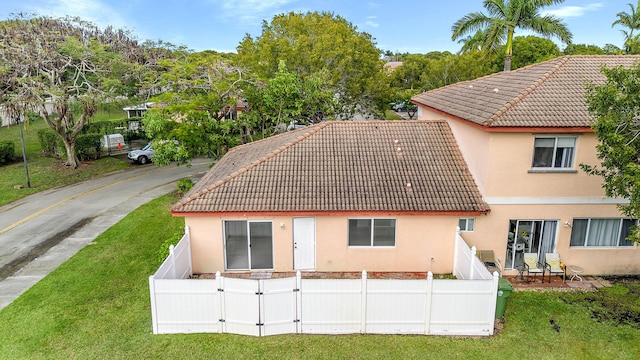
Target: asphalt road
column 41, row 231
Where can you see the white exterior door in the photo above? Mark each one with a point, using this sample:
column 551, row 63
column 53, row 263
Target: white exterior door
column 304, row 243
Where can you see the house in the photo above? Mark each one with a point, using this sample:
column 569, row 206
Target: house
column 336, row 196
column 139, row 110
column 523, row 135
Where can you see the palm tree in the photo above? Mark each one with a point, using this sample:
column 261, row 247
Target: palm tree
column 507, row 15
column 631, row 21
column 473, row 42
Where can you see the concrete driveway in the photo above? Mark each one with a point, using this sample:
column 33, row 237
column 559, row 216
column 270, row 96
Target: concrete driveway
column 40, row 232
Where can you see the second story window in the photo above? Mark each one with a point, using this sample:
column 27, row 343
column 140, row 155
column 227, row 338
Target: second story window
column 554, row 152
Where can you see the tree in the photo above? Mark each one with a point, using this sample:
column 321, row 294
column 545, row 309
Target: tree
column 321, row 45
column 60, row 68
column 631, row 22
column 532, row 49
column 615, row 106
column 583, row 49
column 504, row 17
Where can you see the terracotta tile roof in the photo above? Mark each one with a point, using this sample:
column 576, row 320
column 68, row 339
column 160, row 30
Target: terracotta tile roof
column 547, row 94
column 342, row 166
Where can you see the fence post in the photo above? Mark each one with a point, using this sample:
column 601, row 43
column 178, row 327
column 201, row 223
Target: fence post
column 473, row 254
column 456, row 252
column 363, row 303
column 427, row 315
column 494, row 296
column 152, row 295
column 187, row 235
column 298, row 302
column 220, row 283
column 173, row 262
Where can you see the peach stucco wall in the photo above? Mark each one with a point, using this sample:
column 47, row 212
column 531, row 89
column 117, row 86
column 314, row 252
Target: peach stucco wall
column 501, row 165
column 491, row 231
column 423, row 243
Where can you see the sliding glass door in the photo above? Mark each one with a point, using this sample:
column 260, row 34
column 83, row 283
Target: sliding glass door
column 529, row 236
column 248, row 245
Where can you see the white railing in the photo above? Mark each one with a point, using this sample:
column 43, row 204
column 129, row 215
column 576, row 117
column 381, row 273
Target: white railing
column 291, row 305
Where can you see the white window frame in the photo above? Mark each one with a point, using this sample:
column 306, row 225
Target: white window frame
column 586, row 235
column 466, row 227
column 372, row 229
column 556, row 139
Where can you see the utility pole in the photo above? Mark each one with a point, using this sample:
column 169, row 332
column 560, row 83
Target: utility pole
column 24, row 152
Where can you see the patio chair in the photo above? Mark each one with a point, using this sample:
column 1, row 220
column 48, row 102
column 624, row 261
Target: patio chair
column 532, row 266
column 489, row 260
column 552, row 265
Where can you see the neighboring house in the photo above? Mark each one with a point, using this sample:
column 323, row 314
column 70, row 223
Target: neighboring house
column 138, row 110
column 523, row 135
column 392, row 65
column 336, row 196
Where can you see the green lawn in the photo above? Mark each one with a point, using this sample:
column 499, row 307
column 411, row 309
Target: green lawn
column 44, row 172
column 96, row 305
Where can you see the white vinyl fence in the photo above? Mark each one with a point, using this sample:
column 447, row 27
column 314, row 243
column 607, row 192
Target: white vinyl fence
column 321, row 306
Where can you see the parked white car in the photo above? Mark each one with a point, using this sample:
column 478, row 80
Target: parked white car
column 141, row 156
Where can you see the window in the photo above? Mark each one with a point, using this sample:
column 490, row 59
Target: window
column 372, row 232
column 601, row 232
column 248, row 245
column 554, row 152
column 466, row 224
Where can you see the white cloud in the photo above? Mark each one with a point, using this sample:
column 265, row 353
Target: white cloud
column 372, row 24
column 251, row 10
column 573, row 11
column 91, row 10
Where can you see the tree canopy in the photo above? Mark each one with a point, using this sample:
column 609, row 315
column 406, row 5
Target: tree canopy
column 615, row 105
column 62, row 68
column 321, row 45
column 504, row 17
column 632, row 22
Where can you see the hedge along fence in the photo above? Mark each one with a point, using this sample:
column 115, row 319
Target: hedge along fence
column 87, row 145
column 50, row 143
column 7, row 151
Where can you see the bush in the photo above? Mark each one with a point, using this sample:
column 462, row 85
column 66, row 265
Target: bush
column 88, row 146
column 7, row 151
column 184, row 185
column 50, row 143
column 164, row 248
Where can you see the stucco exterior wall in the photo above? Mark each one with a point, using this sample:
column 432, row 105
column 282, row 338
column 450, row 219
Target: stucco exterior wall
column 501, row 164
column 474, row 144
column 491, row 231
column 423, row 243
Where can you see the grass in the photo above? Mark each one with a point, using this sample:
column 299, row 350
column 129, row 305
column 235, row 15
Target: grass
column 44, row 172
column 96, row 305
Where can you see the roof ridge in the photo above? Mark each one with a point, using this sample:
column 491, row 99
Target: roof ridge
column 526, row 92
column 235, row 174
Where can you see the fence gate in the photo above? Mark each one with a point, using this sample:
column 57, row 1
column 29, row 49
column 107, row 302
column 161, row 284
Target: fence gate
column 241, row 306
column 278, row 306
column 259, row 307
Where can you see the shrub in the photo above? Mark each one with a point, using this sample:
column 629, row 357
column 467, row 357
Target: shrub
column 164, row 248
column 184, row 185
column 88, row 146
column 7, row 151
column 50, row 143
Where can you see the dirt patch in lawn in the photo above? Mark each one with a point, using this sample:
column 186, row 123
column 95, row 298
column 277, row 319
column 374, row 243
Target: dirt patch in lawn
column 618, row 304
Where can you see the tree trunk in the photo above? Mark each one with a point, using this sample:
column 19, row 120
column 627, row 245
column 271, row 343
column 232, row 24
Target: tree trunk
column 507, row 63
column 72, row 158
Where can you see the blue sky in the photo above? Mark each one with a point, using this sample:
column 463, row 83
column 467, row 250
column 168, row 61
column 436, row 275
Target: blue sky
column 414, row 26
